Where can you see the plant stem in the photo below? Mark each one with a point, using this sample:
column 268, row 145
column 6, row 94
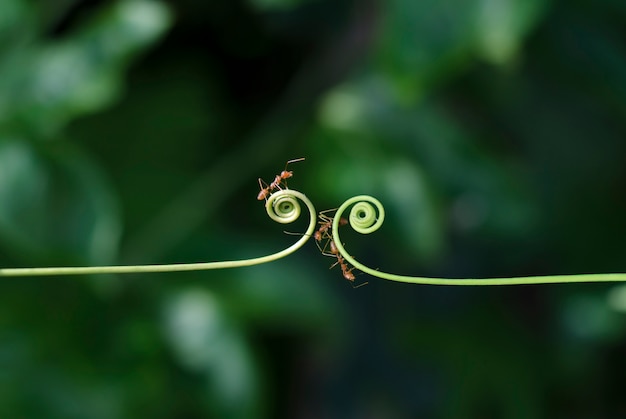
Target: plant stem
column 282, row 207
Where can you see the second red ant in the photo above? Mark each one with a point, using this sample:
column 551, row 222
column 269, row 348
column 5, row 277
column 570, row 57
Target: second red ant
column 326, row 224
column 322, row 233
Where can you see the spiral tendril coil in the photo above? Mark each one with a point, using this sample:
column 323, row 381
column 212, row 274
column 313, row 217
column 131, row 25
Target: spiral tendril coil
column 283, row 207
column 367, row 215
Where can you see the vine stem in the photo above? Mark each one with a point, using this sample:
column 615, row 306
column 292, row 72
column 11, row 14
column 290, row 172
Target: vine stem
column 281, row 207
column 364, row 218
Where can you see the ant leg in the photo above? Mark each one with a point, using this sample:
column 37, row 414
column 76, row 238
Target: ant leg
column 323, row 250
column 323, row 216
column 292, row 233
column 329, row 219
column 335, row 264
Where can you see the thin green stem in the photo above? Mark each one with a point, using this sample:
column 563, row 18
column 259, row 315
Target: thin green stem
column 367, row 216
column 282, row 207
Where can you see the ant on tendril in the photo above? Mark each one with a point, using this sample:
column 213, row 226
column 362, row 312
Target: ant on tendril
column 278, row 180
column 325, row 225
column 322, row 233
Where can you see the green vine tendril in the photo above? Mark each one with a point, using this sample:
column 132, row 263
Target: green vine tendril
column 368, row 214
column 282, row 206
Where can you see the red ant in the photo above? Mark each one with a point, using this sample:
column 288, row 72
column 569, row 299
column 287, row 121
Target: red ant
column 322, row 233
column 325, row 225
column 345, row 270
column 281, row 178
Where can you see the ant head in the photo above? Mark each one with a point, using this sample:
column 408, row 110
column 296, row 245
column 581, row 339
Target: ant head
column 317, row 236
column 285, row 174
column 343, row 221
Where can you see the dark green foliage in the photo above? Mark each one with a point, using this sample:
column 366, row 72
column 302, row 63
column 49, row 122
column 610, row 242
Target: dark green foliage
column 133, row 132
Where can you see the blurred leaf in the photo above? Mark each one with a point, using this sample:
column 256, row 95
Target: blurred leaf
column 589, row 318
column 14, row 13
column 285, row 295
column 291, row 294
column 502, row 25
column 425, row 42
column 413, row 204
column 430, row 167
column 616, row 298
column 56, row 204
column 422, row 42
column 45, row 86
column 186, row 107
column 206, row 342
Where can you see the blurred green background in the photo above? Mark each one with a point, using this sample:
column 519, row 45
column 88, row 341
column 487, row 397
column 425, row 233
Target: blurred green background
column 134, row 131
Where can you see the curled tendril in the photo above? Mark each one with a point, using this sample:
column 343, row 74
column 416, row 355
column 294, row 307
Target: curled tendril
column 282, row 206
column 365, row 219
